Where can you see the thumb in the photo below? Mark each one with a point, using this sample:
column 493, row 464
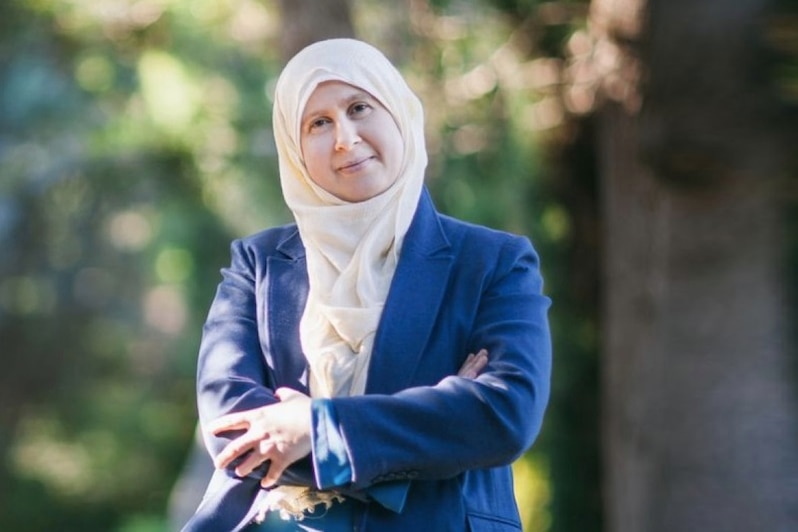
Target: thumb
column 286, row 394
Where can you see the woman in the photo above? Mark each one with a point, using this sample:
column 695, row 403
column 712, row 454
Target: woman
column 376, row 366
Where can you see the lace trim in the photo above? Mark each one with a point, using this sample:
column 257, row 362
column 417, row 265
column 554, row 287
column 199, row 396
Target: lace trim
column 295, row 502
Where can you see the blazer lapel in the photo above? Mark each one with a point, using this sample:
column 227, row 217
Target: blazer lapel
column 287, row 286
column 415, row 296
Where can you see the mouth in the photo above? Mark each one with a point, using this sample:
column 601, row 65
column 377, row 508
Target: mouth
column 355, row 165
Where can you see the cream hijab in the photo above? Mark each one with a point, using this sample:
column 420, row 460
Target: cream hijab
column 352, row 248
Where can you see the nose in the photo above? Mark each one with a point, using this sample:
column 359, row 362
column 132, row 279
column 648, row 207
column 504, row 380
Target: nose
column 346, row 135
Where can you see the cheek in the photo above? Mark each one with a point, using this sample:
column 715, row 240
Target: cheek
column 395, row 147
column 312, row 155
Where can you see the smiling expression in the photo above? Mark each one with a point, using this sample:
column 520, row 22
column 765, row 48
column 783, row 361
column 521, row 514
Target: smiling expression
column 350, row 143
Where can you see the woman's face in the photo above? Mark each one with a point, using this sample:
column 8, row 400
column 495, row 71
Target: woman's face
column 350, row 143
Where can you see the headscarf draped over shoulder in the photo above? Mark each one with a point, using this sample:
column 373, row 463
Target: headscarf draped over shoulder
column 352, row 248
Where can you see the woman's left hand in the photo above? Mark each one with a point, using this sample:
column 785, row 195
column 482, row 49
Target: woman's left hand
column 474, row 364
column 279, row 432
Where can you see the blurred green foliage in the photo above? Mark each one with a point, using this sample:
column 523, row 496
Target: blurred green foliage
column 134, row 137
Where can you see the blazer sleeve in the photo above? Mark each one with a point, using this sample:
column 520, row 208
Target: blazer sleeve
column 439, row 431
column 231, row 375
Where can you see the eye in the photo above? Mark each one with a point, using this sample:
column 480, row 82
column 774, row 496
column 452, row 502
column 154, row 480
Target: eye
column 359, row 108
column 317, row 123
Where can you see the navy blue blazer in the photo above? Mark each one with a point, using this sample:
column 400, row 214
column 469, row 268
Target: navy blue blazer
column 457, row 288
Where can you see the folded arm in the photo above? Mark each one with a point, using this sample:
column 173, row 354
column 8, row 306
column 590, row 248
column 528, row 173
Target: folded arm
column 439, row 431
column 483, row 420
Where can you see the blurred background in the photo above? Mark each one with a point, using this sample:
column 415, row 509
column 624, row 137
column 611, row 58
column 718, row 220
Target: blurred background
column 647, row 147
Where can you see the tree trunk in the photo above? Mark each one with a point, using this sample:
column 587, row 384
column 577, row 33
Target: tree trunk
column 308, row 21
column 700, row 426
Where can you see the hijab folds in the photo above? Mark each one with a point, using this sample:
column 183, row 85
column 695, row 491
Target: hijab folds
column 352, row 248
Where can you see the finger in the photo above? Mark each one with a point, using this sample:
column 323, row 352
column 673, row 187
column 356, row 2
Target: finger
column 228, row 422
column 274, row 473
column 480, row 361
column 474, row 364
column 233, row 450
column 256, row 458
column 464, row 369
column 286, row 394
column 289, row 394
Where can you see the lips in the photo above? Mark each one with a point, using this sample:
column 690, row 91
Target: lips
column 355, row 165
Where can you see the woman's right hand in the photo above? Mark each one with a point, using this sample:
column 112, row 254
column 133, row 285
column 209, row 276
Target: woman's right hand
column 279, row 433
column 474, row 363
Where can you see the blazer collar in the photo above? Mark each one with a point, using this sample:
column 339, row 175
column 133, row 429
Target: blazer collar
column 291, row 246
column 425, row 237
column 413, row 302
column 287, row 289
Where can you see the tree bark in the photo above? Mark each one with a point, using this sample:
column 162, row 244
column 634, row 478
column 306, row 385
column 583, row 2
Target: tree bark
column 699, row 417
column 308, row 21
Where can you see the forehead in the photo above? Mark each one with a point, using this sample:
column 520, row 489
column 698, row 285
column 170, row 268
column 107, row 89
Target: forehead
column 334, row 94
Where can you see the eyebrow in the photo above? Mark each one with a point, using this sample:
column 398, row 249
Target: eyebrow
column 358, row 94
